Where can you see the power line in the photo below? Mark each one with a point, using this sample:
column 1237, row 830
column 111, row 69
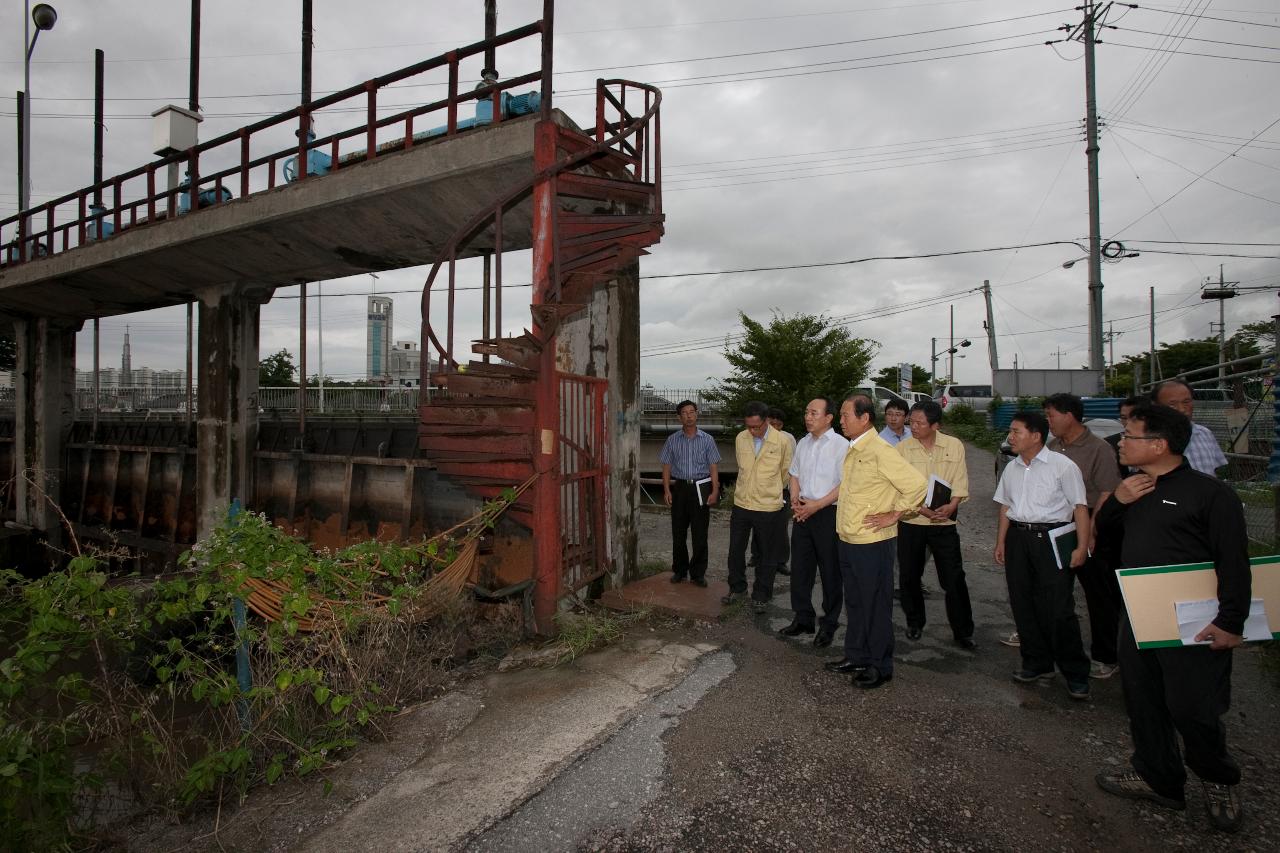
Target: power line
column 1210, row 17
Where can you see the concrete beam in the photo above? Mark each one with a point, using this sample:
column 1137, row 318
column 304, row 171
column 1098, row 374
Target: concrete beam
column 395, row 211
column 46, row 366
column 226, row 399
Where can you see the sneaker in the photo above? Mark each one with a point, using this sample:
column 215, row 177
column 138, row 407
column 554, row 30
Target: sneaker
column 1098, row 669
column 1128, row 784
column 1222, row 802
column 677, row 578
column 1012, row 640
column 1028, row 676
column 1078, row 690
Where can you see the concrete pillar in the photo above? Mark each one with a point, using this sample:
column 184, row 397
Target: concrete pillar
column 226, row 399
column 604, row 341
column 45, row 387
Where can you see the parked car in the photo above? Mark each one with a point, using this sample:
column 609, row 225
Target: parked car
column 977, row 397
column 881, row 395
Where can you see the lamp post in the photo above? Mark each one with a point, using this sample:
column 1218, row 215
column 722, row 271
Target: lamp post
column 44, row 17
column 934, row 354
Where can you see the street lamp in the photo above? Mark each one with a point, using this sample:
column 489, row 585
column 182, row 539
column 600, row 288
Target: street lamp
column 44, row 17
column 934, row 355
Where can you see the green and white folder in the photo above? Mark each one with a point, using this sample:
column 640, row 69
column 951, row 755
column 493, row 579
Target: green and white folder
column 1152, row 596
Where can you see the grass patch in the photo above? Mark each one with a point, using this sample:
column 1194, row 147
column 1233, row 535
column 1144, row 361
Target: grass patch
column 584, row 631
column 979, row 435
column 651, row 567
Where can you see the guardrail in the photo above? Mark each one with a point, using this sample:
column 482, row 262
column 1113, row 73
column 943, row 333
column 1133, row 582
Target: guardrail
column 132, row 199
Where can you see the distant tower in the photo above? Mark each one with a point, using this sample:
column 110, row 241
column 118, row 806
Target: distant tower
column 377, row 361
column 126, row 363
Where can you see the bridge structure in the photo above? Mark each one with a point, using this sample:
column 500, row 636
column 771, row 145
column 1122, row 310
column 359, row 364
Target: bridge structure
column 557, row 403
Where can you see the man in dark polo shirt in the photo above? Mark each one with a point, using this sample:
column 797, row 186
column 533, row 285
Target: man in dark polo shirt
column 1170, row 514
column 1097, row 464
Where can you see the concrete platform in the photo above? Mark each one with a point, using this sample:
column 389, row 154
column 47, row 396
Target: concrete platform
column 392, row 212
column 657, row 592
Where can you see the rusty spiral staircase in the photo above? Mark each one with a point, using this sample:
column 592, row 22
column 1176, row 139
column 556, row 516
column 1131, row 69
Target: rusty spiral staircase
column 508, row 414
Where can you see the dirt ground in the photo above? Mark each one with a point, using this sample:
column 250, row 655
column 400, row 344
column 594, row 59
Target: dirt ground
column 950, row 755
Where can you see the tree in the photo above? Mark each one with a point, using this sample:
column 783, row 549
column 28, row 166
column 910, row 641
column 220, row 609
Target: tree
column 1260, row 335
column 791, row 361
column 277, row 370
column 888, row 378
column 1174, row 359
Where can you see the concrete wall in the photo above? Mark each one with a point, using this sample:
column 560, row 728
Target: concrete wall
column 604, row 341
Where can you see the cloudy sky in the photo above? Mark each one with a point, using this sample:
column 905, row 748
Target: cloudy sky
column 811, row 132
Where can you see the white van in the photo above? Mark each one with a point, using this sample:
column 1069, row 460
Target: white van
column 976, row 397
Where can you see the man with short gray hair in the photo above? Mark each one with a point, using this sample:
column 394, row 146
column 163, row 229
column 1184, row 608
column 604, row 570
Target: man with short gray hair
column 1203, row 453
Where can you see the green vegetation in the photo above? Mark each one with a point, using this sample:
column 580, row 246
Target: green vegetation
column 128, row 689
column 585, row 631
column 790, row 362
column 969, row 425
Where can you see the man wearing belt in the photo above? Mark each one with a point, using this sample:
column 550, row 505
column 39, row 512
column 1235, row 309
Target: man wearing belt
column 1097, row 464
column 815, row 485
column 688, row 456
column 876, row 487
column 1039, row 491
column 764, row 457
column 934, row 454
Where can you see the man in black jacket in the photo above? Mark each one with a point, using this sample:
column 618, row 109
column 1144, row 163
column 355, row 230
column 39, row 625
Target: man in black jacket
column 1170, row 514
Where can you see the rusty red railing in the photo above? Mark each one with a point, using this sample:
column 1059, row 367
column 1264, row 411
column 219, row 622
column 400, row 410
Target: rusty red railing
column 131, row 199
column 634, row 138
column 584, row 470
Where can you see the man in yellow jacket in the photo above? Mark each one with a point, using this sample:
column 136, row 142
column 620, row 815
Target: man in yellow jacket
column 878, row 486
column 764, row 460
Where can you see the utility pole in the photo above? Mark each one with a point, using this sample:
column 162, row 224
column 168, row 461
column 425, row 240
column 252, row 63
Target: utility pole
column 1221, row 293
column 1085, row 33
column 1152, row 354
column 951, row 353
column 990, row 326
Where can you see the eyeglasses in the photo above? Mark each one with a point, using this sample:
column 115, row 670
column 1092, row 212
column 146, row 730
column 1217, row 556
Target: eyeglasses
column 1126, row 437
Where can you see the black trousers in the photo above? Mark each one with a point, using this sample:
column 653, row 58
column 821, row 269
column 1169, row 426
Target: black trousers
column 1102, row 597
column 770, row 528
column 814, row 552
column 687, row 515
column 784, row 553
column 1177, row 691
column 867, row 571
column 1044, row 606
column 943, row 541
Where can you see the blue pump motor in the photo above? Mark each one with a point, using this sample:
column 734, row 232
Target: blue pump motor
column 98, row 219
column 208, row 197
column 318, row 162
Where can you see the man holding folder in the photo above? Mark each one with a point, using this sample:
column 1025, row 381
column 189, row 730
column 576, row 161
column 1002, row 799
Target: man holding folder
column 1172, row 514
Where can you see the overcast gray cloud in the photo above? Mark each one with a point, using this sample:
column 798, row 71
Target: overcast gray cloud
column 888, row 141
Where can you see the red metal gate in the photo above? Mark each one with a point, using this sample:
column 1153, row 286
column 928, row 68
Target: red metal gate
column 584, row 471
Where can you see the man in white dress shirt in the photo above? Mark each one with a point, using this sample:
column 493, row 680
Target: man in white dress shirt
column 1040, row 491
column 816, row 470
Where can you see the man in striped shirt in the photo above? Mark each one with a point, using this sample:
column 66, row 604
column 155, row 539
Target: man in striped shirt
column 1203, row 453
column 689, row 456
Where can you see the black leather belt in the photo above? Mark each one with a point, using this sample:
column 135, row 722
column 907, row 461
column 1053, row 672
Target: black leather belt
column 1037, row 525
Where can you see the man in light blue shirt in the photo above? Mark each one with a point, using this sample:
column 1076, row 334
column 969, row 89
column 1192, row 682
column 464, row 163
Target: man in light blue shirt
column 895, row 422
column 689, row 456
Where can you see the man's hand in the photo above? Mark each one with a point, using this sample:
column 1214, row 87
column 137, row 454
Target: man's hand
column 713, row 497
column 999, row 554
column 666, row 495
column 800, row 510
column 1220, row 640
column 946, row 511
column 1133, row 487
column 925, row 512
column 1078, row 556
column 881, row 520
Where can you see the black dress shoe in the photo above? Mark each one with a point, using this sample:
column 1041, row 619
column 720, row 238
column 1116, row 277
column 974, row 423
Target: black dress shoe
column 795, row 629
column 677, row 578
column 843, row 666
column 966, row 643
column 702, row 582
column 915, row 633
column 870, row 677
column 823, row 639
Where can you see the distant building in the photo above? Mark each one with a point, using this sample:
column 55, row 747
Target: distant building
column 378, row 352
column 405, row 363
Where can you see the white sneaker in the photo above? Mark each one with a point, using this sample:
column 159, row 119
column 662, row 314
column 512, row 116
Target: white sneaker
column 1012, row 640
column 1097, row 669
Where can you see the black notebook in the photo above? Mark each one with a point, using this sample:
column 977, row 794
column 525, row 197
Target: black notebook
column 939, row 493
column 704, row 491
